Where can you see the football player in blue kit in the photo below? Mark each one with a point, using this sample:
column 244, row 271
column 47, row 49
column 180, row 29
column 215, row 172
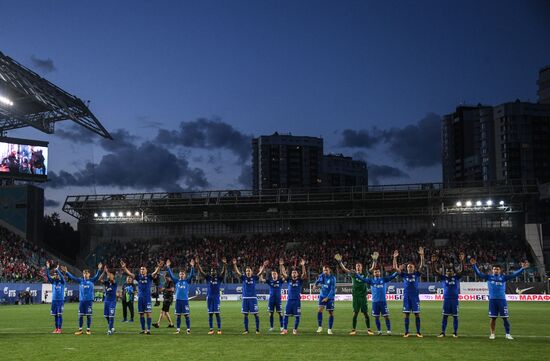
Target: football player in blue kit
column 249, row 297
column 109, row 307
column 145, row 281
column 327, row 283
column 411, row 296
column 498, row 307
column 294, row 295
column 275, row 284
column 58, row 295
column 182, row 294
column 213, row 281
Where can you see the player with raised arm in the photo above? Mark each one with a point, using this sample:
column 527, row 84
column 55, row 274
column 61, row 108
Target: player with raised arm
column 294, row 295
column 145, row 281
column 109, row 307
column 275, row 284
column 213, row 280
column 378, row 289
column 58, row 296
column 359, row 293
column 451, row 290
column 85, row 296
column 249, row 297
column 182, row 294
column 411, row 299
column 498, row 307
column 327, row 281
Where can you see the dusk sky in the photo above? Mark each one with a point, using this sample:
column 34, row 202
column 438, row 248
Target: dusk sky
column 184, row 85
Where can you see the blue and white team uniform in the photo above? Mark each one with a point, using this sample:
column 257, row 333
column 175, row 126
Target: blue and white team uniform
column 213, row 293
column 274, row 304
column 378, row 289
column 498, row 307
column 451, row 290
column 294, row 303
column 144, row 293
column 328, row 289
column 411, row 297
column 85, row 293
column 58, row 293
column 249, row 297
column 109, row 307
column 182, row 291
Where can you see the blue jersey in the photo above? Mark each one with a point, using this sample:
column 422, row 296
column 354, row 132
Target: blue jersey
column 182, row 285
column 213, row 289
column 249, row 286
column 378, row 286
column 328, row 286
column 410, row 281
column 129, row 290
column 497, row 284
column 275, row 288
column 58, row 286
column 85, row 287
column 451, row 287
column 294, row 289
column 144, row 286
column 110, row 291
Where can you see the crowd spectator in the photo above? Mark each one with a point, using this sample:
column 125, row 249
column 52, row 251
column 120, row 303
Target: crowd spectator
column 19, row 260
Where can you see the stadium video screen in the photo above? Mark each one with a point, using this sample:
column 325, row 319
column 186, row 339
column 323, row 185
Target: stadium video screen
column 21, row 158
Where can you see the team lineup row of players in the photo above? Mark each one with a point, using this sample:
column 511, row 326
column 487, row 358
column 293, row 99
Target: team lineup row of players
column 449, row 275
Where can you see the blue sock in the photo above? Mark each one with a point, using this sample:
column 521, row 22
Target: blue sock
column 320, row 319
column 178, row 322
column 455, row 324
column 108, row 323
column 281, row 319
column 377, row 322
column 444, row 323
column 407, row 320
column 257, row 319
column 188, row 322
column 88, row 322
column 245, row 322
column 210, row 321
column 111, row 323
column 506, row 325
column 388, row 324
column 285, row 322
column 80, row 321
column 60, row 321
column 219, row 321
column 296, row 322
column 142, row 322
column 56, row 322
column 271, row 320
column 330, row 320
column 417, row 321
column 149, row 320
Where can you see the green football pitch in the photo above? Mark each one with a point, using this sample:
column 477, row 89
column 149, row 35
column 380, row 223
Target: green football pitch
column 25, row 335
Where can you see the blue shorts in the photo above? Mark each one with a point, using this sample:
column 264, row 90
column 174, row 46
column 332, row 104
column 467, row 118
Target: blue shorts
column 274, row 304
column 85, row 308
column 411, row 304
column 380, row 308
column 182, row 307
column 450, row 307
column 498, row 308
column 109, row 308
column 57, row 307
column 249, row 305
column 329, row 305
column 213, row 304
column 144, row 305
column 293, row 308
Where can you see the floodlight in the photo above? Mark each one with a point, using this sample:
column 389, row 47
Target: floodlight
column 6, row 101
column 104, row 214
column 459, row 204
column 468, row 203
column 112, row 214
column 489, row 203
column 478, row 204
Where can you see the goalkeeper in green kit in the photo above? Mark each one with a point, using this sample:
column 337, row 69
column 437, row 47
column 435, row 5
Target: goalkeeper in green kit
column 359, row 293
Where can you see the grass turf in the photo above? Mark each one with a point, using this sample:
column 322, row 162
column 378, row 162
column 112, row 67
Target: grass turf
column 24, row 335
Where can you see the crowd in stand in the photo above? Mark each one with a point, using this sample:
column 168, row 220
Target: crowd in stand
column 19, row 260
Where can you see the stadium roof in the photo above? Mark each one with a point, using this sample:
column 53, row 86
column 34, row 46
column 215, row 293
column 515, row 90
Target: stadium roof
column 28, row 100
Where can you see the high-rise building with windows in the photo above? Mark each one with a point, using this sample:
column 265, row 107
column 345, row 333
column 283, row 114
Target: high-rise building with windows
column 342, row 171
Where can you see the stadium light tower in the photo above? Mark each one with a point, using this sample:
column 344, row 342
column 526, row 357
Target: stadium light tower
column 6, row 101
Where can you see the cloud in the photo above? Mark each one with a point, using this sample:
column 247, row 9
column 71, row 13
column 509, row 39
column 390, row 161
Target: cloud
column 208, row 134
column 245, row 178
column 43, row 65
column 145, row 166
column 416, row 145
column 377, row 172
column 50, row 203
column 76, row 133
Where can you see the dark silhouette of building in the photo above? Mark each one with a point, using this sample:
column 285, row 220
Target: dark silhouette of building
column 544, row 85
column 342, row 171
